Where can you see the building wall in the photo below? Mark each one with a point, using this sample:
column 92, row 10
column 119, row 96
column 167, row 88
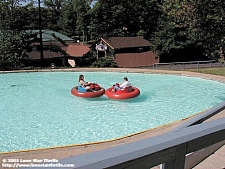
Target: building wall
column 136, row 59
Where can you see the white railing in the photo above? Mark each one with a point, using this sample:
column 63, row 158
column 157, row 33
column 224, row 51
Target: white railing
column 185, row 65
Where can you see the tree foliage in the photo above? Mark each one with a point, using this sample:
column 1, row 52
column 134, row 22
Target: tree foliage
column 190, row 30
column 83, row 18
column 53, row 13
column 105, row 62
column 179, row 30
column 209, row 21
column 172, row 35
column 14, row 42
column 67, row 21
column 123, row 18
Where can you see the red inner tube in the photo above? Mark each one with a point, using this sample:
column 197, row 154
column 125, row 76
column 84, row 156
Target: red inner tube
column 127, row 93
column 98, row 93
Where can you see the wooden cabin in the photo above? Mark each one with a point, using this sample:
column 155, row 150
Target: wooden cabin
column 127, row 51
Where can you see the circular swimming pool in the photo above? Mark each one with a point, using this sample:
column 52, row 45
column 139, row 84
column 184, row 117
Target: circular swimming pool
column 37, row 109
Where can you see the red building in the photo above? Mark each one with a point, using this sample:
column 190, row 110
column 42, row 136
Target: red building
column 127, row 51
column 69, row 54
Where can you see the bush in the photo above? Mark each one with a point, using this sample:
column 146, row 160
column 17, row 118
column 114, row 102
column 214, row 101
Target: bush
column 85, row 61
column 105, row 62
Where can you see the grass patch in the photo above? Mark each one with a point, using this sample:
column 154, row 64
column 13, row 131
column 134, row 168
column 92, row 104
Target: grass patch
column 213, row 71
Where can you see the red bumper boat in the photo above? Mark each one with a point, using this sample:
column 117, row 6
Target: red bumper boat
column 81, row 92
column 127, row 93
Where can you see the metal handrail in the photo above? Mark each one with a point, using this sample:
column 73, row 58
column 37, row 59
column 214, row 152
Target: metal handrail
column 156, row 65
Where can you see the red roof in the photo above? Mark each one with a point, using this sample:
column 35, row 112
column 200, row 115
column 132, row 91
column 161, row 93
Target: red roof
column 47, row 55
column 126, row 42
column 74, row 50
column 77, row 50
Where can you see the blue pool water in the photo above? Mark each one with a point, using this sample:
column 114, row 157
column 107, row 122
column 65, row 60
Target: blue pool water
column 37, row 110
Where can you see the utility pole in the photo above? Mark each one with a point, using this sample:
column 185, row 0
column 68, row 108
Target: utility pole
column 40, row 32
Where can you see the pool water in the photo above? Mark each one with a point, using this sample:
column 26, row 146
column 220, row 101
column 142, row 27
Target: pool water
column 37, row 109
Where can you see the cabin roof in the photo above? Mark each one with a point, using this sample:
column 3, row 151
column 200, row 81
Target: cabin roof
column 126, row 42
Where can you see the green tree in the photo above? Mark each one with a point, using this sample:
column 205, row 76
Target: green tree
column 82, row 8
column 105, row 62
column 14, row 42
column 111, row 18
column 174, row 39
column 145, row 16
column 208, row 25
column 67, row 19
column 124, row 18
column 53, row 14
column 190, row 30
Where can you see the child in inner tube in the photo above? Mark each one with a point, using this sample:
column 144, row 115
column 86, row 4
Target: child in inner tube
column 121, row 86
column 84, row 84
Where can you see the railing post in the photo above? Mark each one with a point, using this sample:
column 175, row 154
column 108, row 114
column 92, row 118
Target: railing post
column 179, row 161
column 210, row 64
column 198, row 65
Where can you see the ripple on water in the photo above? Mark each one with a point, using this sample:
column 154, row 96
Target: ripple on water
column 38, row 111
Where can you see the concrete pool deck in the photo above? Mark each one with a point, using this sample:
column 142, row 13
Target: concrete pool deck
column 215, row 161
